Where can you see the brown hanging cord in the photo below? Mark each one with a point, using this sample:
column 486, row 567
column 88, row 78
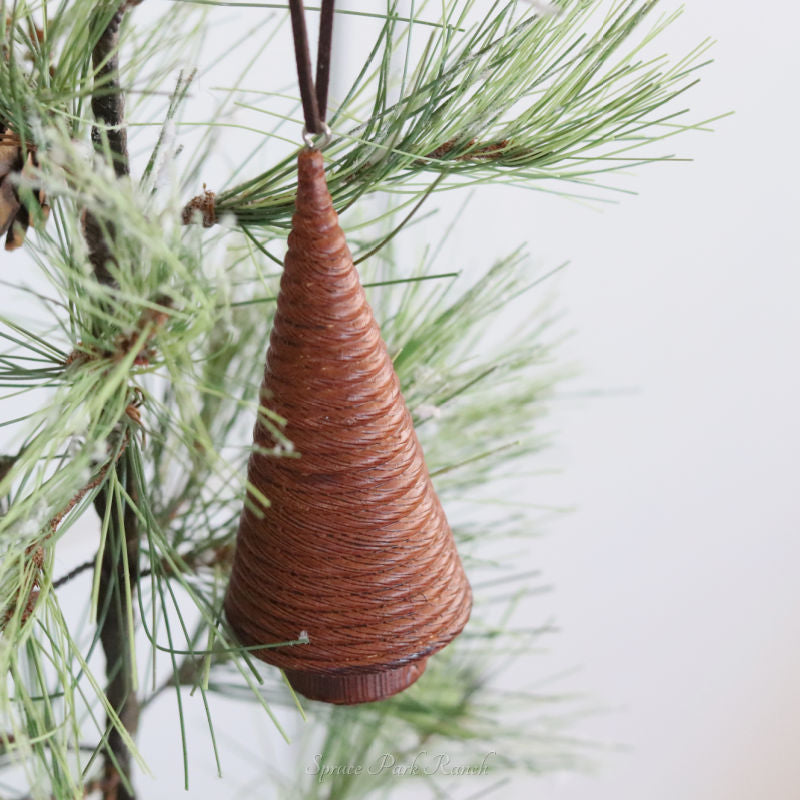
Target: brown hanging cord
column 314, row 97
column 354, row 553
column 324, row 57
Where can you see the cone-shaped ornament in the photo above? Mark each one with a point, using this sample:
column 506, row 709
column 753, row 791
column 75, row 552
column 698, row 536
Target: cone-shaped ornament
column 355, row 549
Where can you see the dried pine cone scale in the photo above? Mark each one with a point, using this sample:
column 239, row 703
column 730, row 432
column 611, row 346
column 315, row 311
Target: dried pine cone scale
column 10, row 161
column 14, row 214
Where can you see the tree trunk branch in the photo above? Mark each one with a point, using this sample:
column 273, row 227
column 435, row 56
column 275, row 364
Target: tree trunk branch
column 118, row 570
column 108, row 102
column 114, row 633
column 108, row 107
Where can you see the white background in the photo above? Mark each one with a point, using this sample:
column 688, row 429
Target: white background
column 678, row 577
column 678, row 573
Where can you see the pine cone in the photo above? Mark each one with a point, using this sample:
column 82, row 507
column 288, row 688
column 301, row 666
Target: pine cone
column 14, row 215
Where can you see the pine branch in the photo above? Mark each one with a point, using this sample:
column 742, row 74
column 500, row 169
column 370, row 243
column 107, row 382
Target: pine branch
column 519, row 98
column 108, row 101
column 119, row 571
column 108, row 107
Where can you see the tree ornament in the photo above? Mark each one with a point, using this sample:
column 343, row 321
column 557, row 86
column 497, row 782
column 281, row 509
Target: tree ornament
column 354, row 554
column 15, row 159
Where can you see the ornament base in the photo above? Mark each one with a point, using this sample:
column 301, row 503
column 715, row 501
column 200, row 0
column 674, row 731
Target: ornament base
column 351, row 688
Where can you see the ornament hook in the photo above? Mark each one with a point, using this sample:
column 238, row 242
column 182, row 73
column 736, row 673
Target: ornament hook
column 323, row 138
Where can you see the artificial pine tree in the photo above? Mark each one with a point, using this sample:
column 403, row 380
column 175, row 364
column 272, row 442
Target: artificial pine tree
column 134, row 352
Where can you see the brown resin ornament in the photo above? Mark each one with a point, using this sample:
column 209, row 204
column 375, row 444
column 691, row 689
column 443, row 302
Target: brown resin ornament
column 354, row 551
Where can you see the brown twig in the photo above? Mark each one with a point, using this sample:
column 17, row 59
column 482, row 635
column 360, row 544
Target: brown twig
column 191, row 561
column 35, row 551
column 108, row 107
column 108, row 101
column 73, row 573
column 119, row 565
column 150, row 323
column 93, row 484
column 487, row 151
column 113, row 594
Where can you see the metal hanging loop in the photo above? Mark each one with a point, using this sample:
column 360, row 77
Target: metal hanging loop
column 317, row 141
